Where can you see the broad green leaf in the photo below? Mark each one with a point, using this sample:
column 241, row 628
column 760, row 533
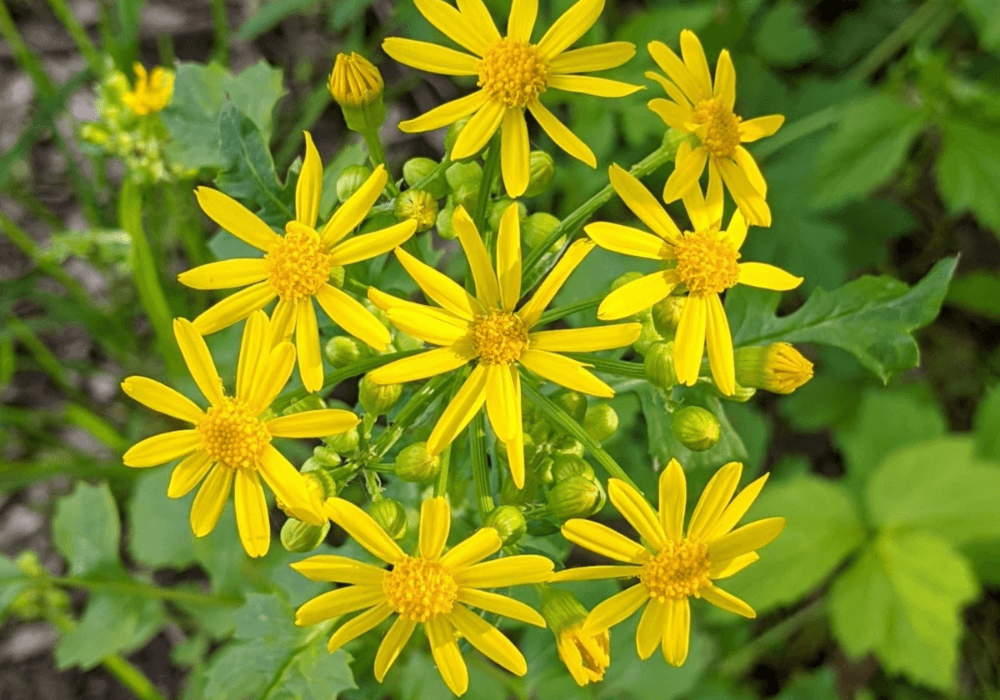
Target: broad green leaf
column 784, row 38
column 86, row 528
column 867, row 148
column 823, row 529
column 871, row 317
column 985, row 15
column 977, row 292
column 159, row 533
column 987, row 425
column 316, row 674
column 111, row 623
column 902, row 598
column 967, row 169
column 938, row 486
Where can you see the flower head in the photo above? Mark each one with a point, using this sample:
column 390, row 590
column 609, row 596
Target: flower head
column 492, row 331
column 230, row 440
column 152, row 92
column 697, row 107
column 703, row 262
column 296, row 266
column 672, row 565
column 777, row 367
column 586, row 654
column 512, row 74
column 434, row 588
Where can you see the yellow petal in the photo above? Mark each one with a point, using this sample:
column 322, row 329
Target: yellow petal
column 225, row 274
column 188, row 473
column 673, row 500
column 725, row 80
column 435, row 523
column 732, row 566
column 714, row 499
column 487, row 286
column 272, row 377
column 515, row 445
column 434, row 326
column 727, row 601
column 444, row 649
column 686, row 174
column 479, row 19
column 309, row 187
column 650, row 631
column 440, row 287
column 573, row 24
column 478, row 130
column 694, row 59
column 639, row 514
column 430, row 57
column 586, row 339
column 338, row 569
column 749, row 167
column 593, row 58
column 677, row 632
column 675, row 93
column 643, row 204
column 602, row 540
column 355, row 209
column 736, row 509
column 472, row 549
column 198, row 360
column 750, row 202
column 713, row 195
column 500, row 605
column 521, row 21
column 307, row 347
column 488, row 640
column 561, row 135
column 313, row 424
column 689, row 341
column 637, row 295
column 698, row 209
column 469, row 399
column 358, row 625
column 737, row 230
column 500, row 401
column 370, row 245
column 251, row 514
column 589, row 85
column 162, row 398
column 452, row 24
column 509, row 258
column 426, row 364
column 288, row 485
column 719, row 340
column 392, row 643
column 349, row 314
column 255, row 346
column 553, row 282
column 628, row 241
column 673, row 115
column 748, row 538
column 755, row 129
column 565, row 372
column 211, row 499
column 446, row 114
column 595, row 573
column 517, row 570
column 618, row 607
column 767, row 277
column 514, row 149
column 365, row 531
column 338, row 602
column 235, row 218
column 235, row 307
column 162, row 448
column 283, row 320
column 674, row 67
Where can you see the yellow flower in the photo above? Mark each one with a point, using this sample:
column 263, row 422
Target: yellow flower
column 512, row 74
column 296, row 267
column 487, row 328
column 695, row 107
column 777, row 367
column 586, row 655
column 671, row 566
column 704, row 261
column 151, row 93
column 433, row 588
column 231, row 440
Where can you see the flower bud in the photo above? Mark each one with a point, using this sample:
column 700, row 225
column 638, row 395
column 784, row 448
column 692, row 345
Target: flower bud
column 509, row 523
column 648, row 337
column 586, row 656
column 390, row 516
column 464, row 180
column 510, row 494
column 544, row 471
column 576, row 497
column 601, row 422
column 537, row 228
column 344, row 443
column 95, row 134
column 499, row 208
column 416, row 170
column 300, row 537
column 574, row 403
column 696, row 428
column 336, row 276
column 667, row 314
column 444, row 226
column 343, row 350
column 312, row 402
column 659, row 365
column 415, row 464
column 542, row 171
column 350, row 180
column 404, row 342
column 778, row 368
column 419, row 206
column 566, row 445
column 378, row 399
column 356, row 85
column 325, row 456
column 566, row 466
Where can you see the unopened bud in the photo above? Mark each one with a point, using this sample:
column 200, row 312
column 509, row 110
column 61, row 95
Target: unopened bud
column 356, row 85
column 416, row 170
column 586, row 656
column 659, row 365
column 390, row 516
column 499, row 208
column 326, row 456
column 405, row 342
column 777, row 367
column 648, row 337
column 299, row 537
column 509, row 523
column 312, row 402
column 415, row 464
column 378, row 399
column 566, row 445
column 343, row 350
column 344, row 443
column 601, row 422
column 542, row 171
column 576, row 497
column 696, row 428
column 464, row 180
column 574, row 403
column 510, row 494
column 444, row 225
column 351, row 179
column 419, row 206
column 667, row 315
column 566, row 466
column 537, row 228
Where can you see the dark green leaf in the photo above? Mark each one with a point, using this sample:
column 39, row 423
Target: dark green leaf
column 86, row 528
column 784, row 38
column 985, row 15
column 159, row 533
column 110, row 624
column 968, row 168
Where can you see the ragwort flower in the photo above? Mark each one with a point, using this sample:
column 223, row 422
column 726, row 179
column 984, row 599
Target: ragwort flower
column 152, row 92
column 512, row 74
column 672, row 566
column 696, row 107
column 489, row 328
column 296, row 266
column 433, row 588
column 705, row 261
column 231, row 441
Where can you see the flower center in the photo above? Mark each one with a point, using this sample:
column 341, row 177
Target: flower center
column 232, row 435
column 419, row 589
column 706, row 262
column 499, row 337
column 679, row 570
column 513, row 72
column 722, row 134
column 299, row 265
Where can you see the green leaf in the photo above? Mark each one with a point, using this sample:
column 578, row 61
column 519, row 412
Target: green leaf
column 12, row 582
column 821, row 685
column 110, row 624
column 866, row 150
column 987, row 425
column 871, row 317
column 824, row 402
column 270, row 15
column 977, row 292
column 159, row 533
column 86, row 528
column 814, row 542
column 784, row 39
column 967, row 169
column 939, row 486
column 985, row 15
column 902, row 599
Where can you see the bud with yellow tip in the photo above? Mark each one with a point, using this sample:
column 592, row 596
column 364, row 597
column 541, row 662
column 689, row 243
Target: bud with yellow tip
column 586, row 656
column 778, row 368
column 419, row 206
column 356, row 85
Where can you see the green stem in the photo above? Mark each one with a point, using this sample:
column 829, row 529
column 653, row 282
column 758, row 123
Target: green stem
column 377, row 155
column 23, row 54
column 410, row 412
column 78, row 34
column 221, row 24
column 897, row 39
column 146, row 590
column 490, row 167
column 23, row 242
column 570, row 309
column 131, row 677
column 480, row 474
column 619, row 368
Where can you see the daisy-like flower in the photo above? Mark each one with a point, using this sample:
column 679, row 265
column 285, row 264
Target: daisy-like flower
column 435, row 588
column 296, row 267
column 152, row 92
column 489, row 329
column 672, row 566
column 230, row 440
column 696, row 107
column 704, row 262
column 512, row 74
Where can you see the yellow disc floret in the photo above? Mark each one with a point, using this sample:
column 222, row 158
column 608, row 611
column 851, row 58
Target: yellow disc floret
column 232, row 435
column 707, row 262
column 677, row 571
column 499, row 337
column 299, row 265
column 513, row 72
column 721, row 128
column 419, row 589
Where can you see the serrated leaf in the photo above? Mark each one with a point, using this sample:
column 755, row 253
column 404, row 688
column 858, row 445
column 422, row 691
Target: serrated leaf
column 814, row 542
column 871, row 317
column 902, row 599
column 110, row 624
column 86, row 528
column 968, row 168
column 159, row 533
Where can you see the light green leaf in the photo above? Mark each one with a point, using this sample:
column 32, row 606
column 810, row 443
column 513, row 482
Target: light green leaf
column 814, row 542
column 938, row 486
column 987, row 425
column 110, row 624
column 902, row 599
column 968, row 168
column 871, row 317
column 86, row 528
column 159, row 533
column 784, row 38
column 12, row 582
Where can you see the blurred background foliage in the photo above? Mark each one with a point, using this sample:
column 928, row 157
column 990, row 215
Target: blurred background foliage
column 886, row 583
